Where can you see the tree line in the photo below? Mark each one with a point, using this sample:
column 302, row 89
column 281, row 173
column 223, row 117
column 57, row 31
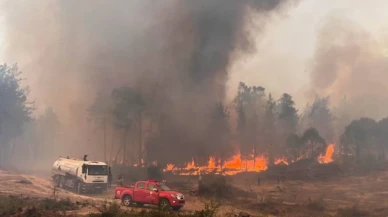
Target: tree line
column 144, row 130
column 255, row 124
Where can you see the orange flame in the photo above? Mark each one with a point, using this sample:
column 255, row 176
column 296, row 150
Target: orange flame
column 236, row 164
column 229, row 167
column 328, row 157
column 281, row 161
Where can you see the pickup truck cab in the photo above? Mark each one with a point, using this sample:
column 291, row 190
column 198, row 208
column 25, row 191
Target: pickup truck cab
column 150, row 192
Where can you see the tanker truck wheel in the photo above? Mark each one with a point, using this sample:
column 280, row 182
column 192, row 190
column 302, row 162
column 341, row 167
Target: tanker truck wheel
column 78, row 188
column 56, row 181
column 62, row 182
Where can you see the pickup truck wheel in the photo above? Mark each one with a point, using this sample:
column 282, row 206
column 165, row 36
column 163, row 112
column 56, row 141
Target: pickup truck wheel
column 164, row 204
column 127, row 200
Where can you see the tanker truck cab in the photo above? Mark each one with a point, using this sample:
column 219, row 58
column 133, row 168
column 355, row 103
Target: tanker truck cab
column 94, row 175
column 80, row 175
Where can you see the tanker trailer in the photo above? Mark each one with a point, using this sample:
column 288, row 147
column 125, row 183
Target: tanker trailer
column 80, row 175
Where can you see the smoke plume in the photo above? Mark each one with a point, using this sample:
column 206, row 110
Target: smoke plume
column 72, row 50
column 351, row 67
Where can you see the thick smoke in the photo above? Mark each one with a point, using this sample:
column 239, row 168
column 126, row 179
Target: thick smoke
column 351, row 67
column 72, row 50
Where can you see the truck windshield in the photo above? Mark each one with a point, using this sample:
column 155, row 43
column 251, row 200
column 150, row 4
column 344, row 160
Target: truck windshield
column 97, row 170
column 163, row 187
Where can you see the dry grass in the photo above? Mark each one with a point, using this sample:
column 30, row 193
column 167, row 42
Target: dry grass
column 18, row 205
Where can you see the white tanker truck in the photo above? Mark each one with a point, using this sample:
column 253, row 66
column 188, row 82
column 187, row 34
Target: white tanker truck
column 81, row 175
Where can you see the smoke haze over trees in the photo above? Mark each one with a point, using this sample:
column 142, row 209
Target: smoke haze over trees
column 15, row 110
column 146, row 80
column 350, row 63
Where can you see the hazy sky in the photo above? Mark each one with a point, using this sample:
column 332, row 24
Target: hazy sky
column 287, row 45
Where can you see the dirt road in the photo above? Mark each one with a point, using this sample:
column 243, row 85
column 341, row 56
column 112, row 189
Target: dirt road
column 367, row 192
column 42, row 187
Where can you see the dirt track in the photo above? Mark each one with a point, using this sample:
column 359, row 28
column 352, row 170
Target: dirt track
column 27, row 185
column 40, row 186
column 368, row 192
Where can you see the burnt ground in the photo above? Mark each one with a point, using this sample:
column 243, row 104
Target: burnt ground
column 350, row 195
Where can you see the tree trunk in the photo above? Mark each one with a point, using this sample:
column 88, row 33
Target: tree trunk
column 125, row 147
column 140, row 138
column 241, row 157
column 297, row 153
column 1, row 155
column 221, row 161
column 270, row 155
column 112, row 146
column 254, row 156
column 118, row 152
column 312, row 150
column 358, row 153
column 132, row 155
column 4, row 155
column 104, row 125
column 345, row 153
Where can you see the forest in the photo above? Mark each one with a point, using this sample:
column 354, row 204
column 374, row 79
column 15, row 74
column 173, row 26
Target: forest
column 146, row 130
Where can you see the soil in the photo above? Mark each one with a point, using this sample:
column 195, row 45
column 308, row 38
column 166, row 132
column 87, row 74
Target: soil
column 291, row 198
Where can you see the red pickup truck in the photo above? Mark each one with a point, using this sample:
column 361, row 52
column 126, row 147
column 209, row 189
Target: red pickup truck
column 150, row 192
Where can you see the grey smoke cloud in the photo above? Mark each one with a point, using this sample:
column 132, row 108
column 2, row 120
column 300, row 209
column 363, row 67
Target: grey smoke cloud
column 71, row 50
column 349, row 62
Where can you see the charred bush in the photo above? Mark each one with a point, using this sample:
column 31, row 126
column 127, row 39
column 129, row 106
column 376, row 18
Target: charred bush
column 269, row 207
column 33, row 207
column 305, row 169
column 128, row 175
column 316, row 206
column 352, row 212
column 10, row 205
column 211, row 209
column 24, row 181
column 220, row 187
column 113, row 210
column 57, row 205
column 108, row 210
column 216, row 186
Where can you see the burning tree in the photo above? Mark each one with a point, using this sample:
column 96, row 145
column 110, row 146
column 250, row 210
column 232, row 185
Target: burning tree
column 308, row 146
column 250, row 106
column 314, row 144
column 220, row 135
column 294, row 145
